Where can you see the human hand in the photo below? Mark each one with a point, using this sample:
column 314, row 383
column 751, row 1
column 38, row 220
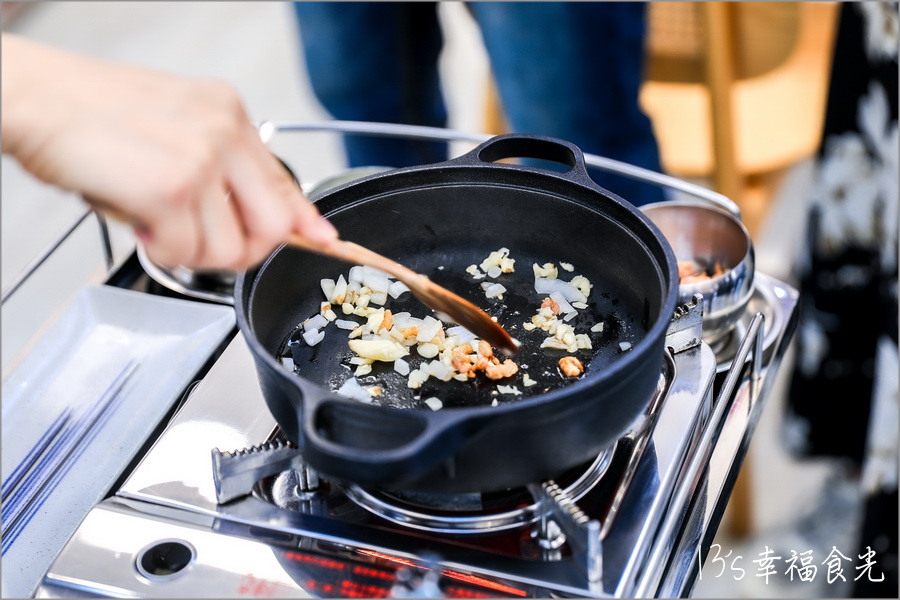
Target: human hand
column 176, row 157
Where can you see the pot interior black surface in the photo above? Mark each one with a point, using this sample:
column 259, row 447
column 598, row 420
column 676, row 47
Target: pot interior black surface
column 439, row 230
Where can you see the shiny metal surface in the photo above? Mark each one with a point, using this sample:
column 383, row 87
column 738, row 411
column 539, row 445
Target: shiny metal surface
column 699, row 232
column 236, row 472
column 174, row 481
column 767, row 299
column 580, row 531
column 686, row 329
column 419, row 132
column 223, row 566
column 747, row 400
column 480, row 520
column 213, row 286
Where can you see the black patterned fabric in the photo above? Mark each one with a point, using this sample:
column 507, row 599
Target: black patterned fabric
column 843, row 393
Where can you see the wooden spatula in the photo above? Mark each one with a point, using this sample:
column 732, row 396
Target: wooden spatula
column 429, row 293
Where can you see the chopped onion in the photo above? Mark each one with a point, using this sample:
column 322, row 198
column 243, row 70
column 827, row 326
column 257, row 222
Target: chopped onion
column 427, row 350
column 428, row 329
column 508, row 389
column 624, row 346
column 417, row 378
column 313, row 336
column 548, row 271
column 356, row 273
column 495, row 290
column 316, row 322
column 376, row 283
column 401, row 366
column 434, row 403
column 396, row 289
column 598, row 327
column 568, row 291
column 373, row 272
column 383, row 350
column 327, row 287
column 494, row 272
column 438, row 369
column 567, row 266
column 339, row 294
column 342, row 324
column 352, row 389
column 564, row 305
column 461, row 333
column 375, row 320
column 379, row 298
column 581, row 305
column 583, row 341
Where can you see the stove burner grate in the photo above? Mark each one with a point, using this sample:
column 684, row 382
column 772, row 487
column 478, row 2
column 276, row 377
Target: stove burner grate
column 476, row 512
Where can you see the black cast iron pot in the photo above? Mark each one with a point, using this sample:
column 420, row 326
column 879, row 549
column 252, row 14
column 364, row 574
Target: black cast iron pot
column 439, row 219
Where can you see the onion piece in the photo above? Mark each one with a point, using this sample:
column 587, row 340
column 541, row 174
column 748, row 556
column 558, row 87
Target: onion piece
column 353, row 390
column 383, row 350
column 287, row 362
column 376, row 283
column 342, row 324
column 327, row 287
column 313, row 336
column 396, row 289
column 315, row 322
column 401, row 366
column 495, row 290
column 508, row 389
column 568, row 291
column 624, row 346
column 356, row 273
column 564, row 305
column 339, row 294
column 427, row 350
column 428, row 329
column 417, row 378
column 434, row 403
column 461, row 333
column 379, row 298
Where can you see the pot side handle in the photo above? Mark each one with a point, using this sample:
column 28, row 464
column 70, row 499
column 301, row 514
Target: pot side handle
column 517, row 145
column 375, row 445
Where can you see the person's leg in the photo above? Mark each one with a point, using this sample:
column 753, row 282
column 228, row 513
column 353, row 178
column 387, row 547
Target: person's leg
column 573, row 70
column 373, row 61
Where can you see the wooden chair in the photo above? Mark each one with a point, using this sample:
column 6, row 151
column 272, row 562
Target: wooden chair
column 737, row 89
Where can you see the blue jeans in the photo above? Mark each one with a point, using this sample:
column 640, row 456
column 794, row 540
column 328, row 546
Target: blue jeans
column 571, row 70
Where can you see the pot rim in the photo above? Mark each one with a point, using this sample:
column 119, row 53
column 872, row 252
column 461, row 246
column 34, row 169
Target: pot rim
column 640, row 351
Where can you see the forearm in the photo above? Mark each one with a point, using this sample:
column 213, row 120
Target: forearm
column 42, row 89
column 177, row 157
column 21, row 64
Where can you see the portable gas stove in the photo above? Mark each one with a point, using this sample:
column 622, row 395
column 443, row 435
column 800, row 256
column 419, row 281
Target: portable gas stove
column 222, row 506
column 192, row 520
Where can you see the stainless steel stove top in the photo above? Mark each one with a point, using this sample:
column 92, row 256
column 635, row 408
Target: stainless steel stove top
column 635, row 530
